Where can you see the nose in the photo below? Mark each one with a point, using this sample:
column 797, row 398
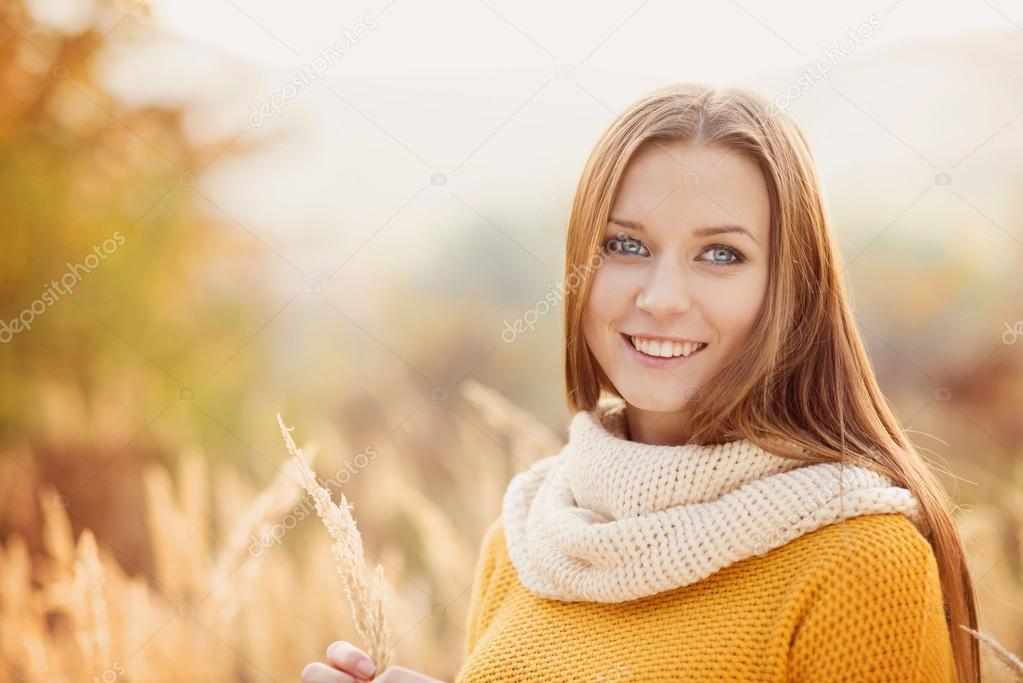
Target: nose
column 666, row 292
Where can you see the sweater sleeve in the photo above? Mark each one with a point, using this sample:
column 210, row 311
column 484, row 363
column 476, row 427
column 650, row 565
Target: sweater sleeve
column 479, row 609
column 874, row 613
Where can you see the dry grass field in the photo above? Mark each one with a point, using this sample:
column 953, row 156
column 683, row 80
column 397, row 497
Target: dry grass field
column 245, row 586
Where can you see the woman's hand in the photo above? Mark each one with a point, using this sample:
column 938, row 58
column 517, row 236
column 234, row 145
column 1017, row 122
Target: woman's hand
column 348, row 664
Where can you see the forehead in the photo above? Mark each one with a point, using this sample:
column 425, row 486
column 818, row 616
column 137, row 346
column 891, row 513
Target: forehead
column 671, row 185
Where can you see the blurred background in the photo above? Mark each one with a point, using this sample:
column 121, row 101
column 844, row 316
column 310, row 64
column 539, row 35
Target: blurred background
column 216, row 211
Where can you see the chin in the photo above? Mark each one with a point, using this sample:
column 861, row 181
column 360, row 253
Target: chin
column 655, row 400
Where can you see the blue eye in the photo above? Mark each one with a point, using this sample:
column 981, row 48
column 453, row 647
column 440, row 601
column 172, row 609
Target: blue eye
column 630, row 246
column 722, row 248
column 622, row 244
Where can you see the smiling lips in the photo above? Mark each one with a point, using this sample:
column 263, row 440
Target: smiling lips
column 665, row 348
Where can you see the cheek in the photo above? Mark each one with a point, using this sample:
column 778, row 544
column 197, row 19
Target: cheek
column 604, row 306
column 609, row 296
column 594, row 327
column 734, row 308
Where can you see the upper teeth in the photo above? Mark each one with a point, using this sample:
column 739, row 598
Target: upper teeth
column 665, row 349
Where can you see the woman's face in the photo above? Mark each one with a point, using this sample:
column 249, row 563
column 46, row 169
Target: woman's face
column 686, row 260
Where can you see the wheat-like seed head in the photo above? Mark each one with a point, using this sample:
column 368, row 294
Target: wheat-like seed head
column 365, row 595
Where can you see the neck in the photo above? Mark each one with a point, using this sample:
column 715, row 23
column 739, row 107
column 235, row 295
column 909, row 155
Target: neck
column 656, row 427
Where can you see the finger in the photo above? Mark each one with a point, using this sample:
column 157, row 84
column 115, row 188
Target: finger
column 350, row 659
column 318, row 672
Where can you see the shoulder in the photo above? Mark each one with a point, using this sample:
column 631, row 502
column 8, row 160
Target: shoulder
column 874, row 581
column 493, row 538
column 488, row 584
column 492, row 553
column 866, row 558
column 886, row 542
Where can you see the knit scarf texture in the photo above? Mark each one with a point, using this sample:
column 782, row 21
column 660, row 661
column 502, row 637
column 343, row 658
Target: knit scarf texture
column 608, row 519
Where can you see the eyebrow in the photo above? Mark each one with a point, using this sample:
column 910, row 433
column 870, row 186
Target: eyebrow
column 699, row 232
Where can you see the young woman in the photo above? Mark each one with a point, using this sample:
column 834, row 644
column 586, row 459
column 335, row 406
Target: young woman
column 736, row 500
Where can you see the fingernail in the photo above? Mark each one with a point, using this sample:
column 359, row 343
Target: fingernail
column 365, row 667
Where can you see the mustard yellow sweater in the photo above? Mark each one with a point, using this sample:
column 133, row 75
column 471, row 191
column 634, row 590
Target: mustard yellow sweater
column 858, row 601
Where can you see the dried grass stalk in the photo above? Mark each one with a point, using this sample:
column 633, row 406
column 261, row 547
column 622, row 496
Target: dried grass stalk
column 366, row 594
column 1010, row 660
column 502, row 414
column 92, row 625
column 235, row 562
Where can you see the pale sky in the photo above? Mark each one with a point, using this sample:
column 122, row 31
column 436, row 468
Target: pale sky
column 506, row 100
column 272, row 32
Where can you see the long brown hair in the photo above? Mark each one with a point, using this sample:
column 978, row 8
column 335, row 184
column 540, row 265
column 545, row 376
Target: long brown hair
column 804, row 378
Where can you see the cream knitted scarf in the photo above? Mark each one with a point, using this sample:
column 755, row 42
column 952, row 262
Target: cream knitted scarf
column 609, row 520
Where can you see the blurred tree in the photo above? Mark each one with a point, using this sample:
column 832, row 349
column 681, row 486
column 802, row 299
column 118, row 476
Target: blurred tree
column 119, row 295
